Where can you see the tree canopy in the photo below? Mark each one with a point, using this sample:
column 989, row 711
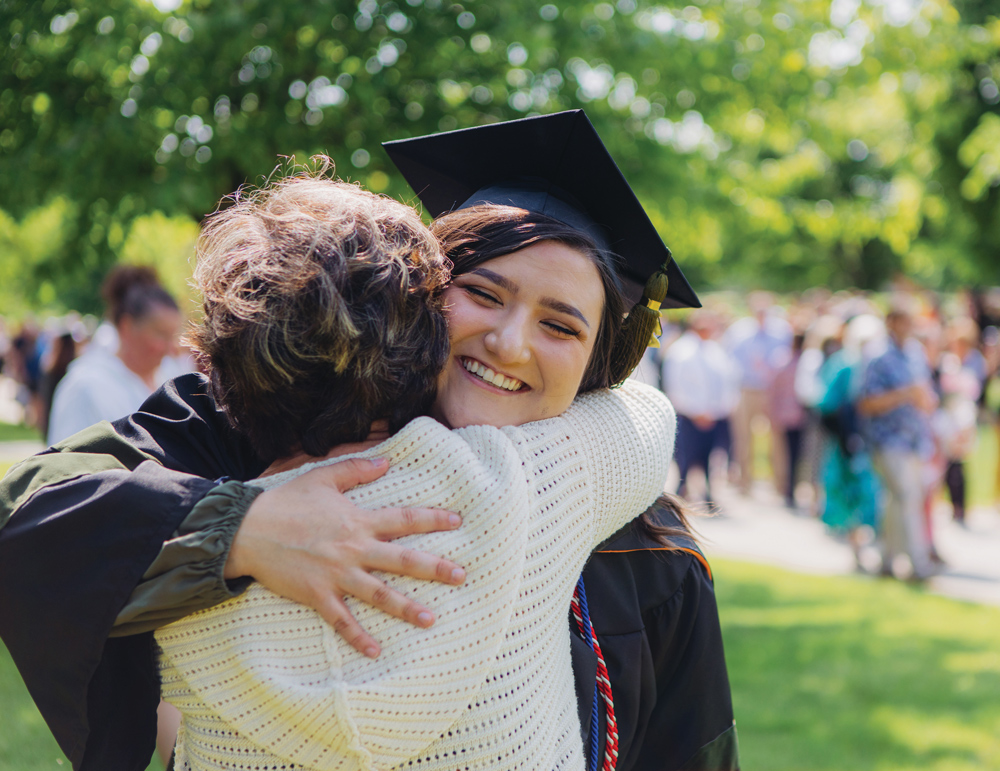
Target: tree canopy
column 774, row 143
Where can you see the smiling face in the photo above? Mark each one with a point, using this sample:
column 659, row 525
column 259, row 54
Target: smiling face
column 522, row 330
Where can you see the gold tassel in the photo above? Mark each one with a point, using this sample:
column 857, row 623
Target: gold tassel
column 640, row 327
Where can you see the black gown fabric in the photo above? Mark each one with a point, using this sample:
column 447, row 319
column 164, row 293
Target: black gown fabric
column 657, row 623
column 77, row 543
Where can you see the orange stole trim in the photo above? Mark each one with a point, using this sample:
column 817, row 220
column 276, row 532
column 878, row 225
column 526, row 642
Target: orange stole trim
column 698, row 555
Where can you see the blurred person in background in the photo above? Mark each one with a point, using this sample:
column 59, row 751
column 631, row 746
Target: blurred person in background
column 821, row 340
column 924, row 349
column 788, row 418
column 960, row 375
column 60, row 354
column 101, row 385
column 757, row 344
column 894, row 404
column 850, row 500
column 26, row 368
column 702, row 381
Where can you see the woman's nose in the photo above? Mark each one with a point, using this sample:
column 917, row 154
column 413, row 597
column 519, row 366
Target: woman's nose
column 508, row 341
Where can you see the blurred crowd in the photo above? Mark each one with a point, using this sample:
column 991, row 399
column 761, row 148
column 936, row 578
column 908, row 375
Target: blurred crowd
column 867, row 408
column 73, row 371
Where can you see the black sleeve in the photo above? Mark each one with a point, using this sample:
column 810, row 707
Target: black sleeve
column 81, row 523
column 181, row 427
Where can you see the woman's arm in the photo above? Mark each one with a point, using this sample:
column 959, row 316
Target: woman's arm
column 617, row 443
column 210, row 545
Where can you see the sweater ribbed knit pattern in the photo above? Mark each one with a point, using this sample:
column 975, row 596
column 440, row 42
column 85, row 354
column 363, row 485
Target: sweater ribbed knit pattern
column 265, row 683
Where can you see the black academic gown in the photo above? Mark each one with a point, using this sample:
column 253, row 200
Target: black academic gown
column 657, row 623
column 74, row 549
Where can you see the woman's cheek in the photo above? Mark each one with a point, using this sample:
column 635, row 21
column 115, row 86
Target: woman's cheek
column 563, row 363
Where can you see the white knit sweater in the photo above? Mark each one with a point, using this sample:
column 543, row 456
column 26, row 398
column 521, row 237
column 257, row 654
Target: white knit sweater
column 265, row 683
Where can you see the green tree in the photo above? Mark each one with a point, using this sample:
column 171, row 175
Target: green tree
column 773, row 143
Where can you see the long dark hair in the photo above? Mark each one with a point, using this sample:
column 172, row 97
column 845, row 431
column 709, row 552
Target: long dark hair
column 472, row 236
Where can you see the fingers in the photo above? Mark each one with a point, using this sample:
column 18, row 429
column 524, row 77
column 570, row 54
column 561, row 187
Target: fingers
column 373, row 591
column 417, row 564
column 352, row 472
column 393, row 523
column 336, row 614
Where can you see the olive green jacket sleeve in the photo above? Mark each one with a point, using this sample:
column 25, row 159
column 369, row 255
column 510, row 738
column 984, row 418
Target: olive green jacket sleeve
column 187, row 574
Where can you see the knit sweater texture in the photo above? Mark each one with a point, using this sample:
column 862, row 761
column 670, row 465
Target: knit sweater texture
column 265, row 683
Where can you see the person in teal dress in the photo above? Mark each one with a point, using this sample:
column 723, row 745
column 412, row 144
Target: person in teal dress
column 851, row 487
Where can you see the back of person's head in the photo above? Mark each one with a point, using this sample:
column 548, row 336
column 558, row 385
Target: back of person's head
column 322, row 313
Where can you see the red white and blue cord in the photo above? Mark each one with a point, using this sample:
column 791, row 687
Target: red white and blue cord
column 602, row 689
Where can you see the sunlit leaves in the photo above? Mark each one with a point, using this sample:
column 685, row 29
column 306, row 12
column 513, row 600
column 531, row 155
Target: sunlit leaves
column 757, row 132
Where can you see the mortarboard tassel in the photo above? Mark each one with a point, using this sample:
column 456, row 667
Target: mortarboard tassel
column 640, row 328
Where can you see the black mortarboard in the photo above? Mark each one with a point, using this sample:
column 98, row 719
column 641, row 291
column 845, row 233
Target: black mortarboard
column 552, row 164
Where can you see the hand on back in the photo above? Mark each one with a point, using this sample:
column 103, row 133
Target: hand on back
column 306, row 541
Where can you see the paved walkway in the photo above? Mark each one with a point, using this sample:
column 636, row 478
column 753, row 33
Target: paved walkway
column 12, row 452
column 758, row 528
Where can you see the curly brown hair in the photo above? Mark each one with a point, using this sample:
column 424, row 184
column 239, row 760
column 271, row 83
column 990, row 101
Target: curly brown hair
column 322, row 313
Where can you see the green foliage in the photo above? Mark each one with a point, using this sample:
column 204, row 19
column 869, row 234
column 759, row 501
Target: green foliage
column 167, row 244
column 775, row 143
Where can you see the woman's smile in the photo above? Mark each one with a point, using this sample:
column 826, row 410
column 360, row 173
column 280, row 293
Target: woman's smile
column 522, row 329
column 482, row 373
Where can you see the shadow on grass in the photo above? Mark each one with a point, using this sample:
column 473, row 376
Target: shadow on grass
column 858, row 674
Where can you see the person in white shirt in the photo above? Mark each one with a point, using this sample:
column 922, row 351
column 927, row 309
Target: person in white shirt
column 757, row 343
column 702, row 382
column 101, row 385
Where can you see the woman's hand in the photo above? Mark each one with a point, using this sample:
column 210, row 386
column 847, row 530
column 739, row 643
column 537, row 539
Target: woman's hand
column 305, row 541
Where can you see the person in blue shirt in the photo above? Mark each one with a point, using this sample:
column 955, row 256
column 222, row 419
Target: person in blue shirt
column 894, row 405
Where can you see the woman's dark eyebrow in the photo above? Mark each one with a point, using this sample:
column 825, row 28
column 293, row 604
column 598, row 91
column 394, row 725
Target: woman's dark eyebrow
column 549, row 302
column 501, row 281
column 561, row 307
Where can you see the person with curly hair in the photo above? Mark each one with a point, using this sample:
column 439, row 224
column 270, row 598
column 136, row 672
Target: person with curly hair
column 529, row 326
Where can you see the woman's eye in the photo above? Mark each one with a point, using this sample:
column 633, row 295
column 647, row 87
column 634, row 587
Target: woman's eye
column 481, row 294
column 561, row 330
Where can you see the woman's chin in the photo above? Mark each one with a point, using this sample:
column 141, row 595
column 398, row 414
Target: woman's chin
column 463, row 417
column 461, row 407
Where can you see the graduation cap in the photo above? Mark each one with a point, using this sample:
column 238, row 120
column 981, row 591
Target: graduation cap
column 554, row 165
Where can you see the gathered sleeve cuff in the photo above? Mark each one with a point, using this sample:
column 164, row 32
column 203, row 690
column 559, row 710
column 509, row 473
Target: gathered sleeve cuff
column 187, row 574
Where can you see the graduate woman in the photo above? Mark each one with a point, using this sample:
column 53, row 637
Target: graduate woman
column 661, row 646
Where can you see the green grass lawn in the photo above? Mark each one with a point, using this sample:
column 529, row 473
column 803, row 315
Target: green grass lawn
column 857, row 674
column 828, row 674
column 10, row 432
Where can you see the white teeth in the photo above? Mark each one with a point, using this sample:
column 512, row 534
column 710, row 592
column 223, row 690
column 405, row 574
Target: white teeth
column 494, row 378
